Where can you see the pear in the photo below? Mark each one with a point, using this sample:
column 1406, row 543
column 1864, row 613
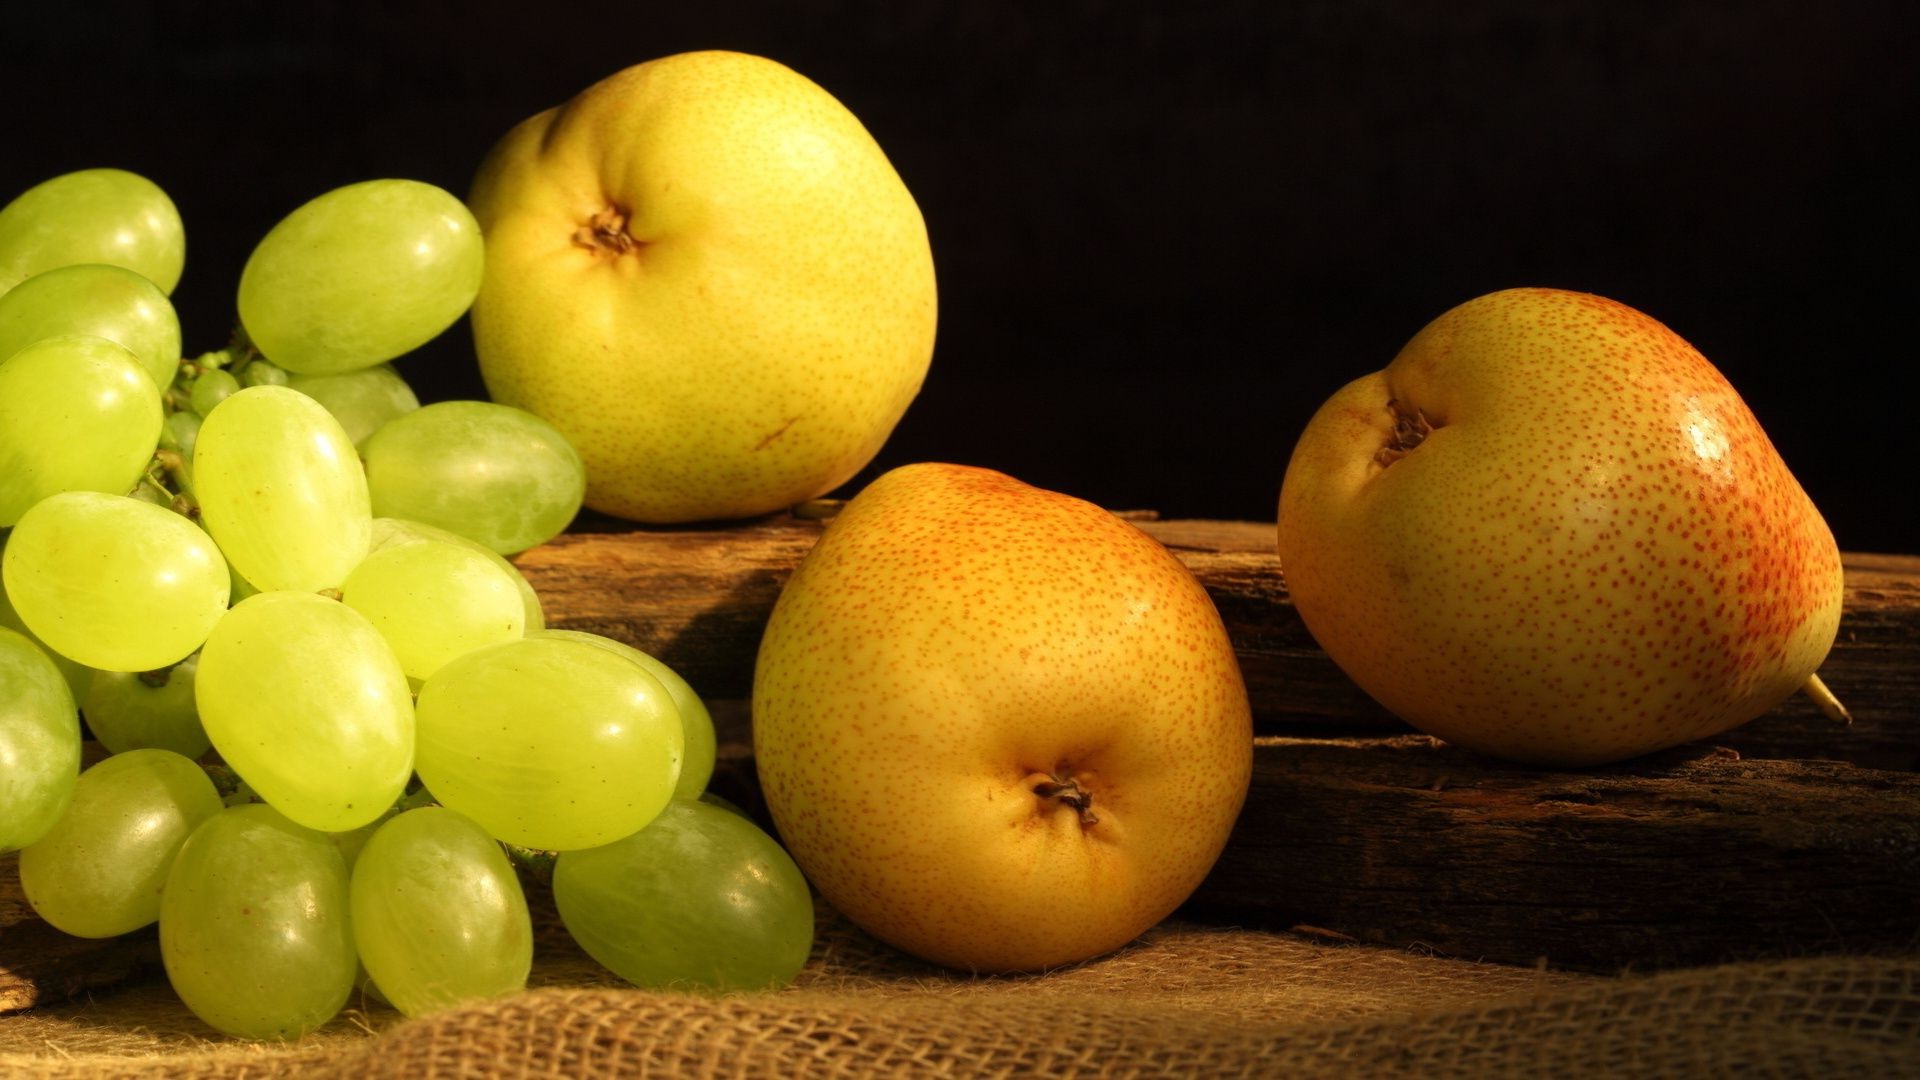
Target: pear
column 1551, row 531
column 705, row 273
column 997, row 726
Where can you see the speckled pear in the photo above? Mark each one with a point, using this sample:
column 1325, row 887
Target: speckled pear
column 706, row 274
column 1550, row 530
column 997, row 726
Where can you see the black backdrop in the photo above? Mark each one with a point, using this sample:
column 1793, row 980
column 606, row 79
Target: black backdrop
column 1164, row 232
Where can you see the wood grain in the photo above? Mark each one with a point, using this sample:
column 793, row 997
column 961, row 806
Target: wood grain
column 1695, row 856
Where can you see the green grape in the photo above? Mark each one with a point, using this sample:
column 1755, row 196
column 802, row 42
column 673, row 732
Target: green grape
column 242, row 588
column 362, row 400
column 549, row 743
column 39, row 742
column 696, row 764
column 492, row 473
column 180, row 431
column 352, row 842
column 438, row 914
column 433, row 601
column 76, row 414
column 214, row 386
column 282, row 490
column 700, row 898
column 99, row 871
column 261, row 371
column 77, row 675
column 360, row 275
column 723, row 803
column 129, row 710
column 100, row 301
column 388, row 532
column 93, row 216
column 114, row 582
column 304, row 699
column 255, row 928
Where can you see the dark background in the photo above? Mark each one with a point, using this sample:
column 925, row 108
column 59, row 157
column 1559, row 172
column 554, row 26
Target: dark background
column 1164, row 232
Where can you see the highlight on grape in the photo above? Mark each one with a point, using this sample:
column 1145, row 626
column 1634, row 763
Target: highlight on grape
column 333, row 728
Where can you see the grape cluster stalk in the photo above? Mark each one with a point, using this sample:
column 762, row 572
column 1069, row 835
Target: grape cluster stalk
column 275, row 588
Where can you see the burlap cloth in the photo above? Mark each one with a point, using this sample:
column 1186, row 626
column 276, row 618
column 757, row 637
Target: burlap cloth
column 1186, row 1000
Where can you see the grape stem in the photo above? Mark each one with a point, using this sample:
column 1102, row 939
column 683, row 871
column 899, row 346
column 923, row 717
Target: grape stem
column 225, row 780
column 172, row 475
column 241, row 350
column 200, row 365
column 532, row 862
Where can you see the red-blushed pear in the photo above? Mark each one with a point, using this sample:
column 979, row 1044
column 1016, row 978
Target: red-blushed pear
column 1551, row 531
column 706, row 274
column 997, row 726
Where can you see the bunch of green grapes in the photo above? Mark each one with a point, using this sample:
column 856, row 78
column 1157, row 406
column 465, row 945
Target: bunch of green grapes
column 269, row 565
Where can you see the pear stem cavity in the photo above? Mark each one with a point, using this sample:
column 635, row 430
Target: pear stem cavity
column 1410, row 429
column 1070, row 792
column 605, row 233
column 1829, row 705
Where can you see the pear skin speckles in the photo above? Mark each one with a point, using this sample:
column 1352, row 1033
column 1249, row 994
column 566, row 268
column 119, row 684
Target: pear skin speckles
column 958, row 651
column 1595, row 553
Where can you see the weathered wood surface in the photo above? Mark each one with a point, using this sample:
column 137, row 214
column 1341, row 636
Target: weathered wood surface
column 1695, row 856
column 698, row 598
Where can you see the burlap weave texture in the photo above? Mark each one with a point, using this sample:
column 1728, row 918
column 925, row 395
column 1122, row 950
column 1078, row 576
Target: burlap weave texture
column 1184, row 1001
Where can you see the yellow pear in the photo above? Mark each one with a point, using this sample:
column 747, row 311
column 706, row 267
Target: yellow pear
column 1551, row 531
column 707, row 275
column 997, row 726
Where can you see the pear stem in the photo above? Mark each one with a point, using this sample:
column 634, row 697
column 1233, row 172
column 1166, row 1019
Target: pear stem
column 1069, row 792
column 1410, row 429
column 1823, row 698
column 606, row 232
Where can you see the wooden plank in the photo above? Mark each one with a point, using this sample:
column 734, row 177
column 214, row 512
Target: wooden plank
column 698, row 599
column 1696, row 856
